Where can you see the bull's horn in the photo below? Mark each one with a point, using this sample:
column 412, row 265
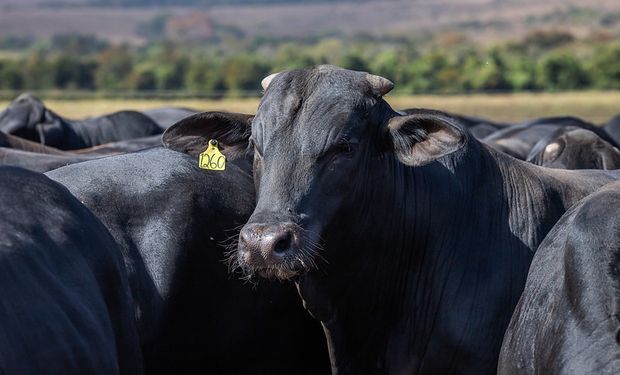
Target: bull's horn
column 380, row 86
column 267, row 80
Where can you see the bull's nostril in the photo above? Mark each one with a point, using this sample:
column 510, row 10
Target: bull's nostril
column 283, row 245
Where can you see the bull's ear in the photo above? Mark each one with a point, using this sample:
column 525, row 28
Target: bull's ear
column 191, row 135
column 419, row 139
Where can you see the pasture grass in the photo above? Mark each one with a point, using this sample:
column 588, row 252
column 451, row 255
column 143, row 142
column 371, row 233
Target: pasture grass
column 593, row 106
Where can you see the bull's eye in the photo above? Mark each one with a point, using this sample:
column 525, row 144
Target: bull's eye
column 339, row 152
column 346, row 149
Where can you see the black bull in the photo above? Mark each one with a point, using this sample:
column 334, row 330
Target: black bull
column 170, row 218
column 567, row 321
column 65, row 305
column 574, row 148
column 28, row 118
column 407, row 238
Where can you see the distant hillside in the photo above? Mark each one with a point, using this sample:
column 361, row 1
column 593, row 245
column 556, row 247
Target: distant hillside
column 483, row 21
column 139, row 3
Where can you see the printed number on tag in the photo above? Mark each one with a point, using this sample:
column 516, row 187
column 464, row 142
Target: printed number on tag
column 211, row 158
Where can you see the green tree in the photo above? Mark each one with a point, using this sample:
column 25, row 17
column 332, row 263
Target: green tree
column 203, row 75
column 561, row 71
column 37, row 70
column 290, row 56
column 521, row 73
column 492, row 74
column 427, row 73
column 11, row 77
column 469, row 63
column 70, row 72
column 115, row 64
column 353, row 61
column 143, row 79
column 172, row 76
column 243, row 73
column 386, row 64
column 605, row 67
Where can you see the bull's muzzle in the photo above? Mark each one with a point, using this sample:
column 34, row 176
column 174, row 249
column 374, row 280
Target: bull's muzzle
column 267, row 245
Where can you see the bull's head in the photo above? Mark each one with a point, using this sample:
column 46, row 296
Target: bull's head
column 28, row 118
column 319, row 137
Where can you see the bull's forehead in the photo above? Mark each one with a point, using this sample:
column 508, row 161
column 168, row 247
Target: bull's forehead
column 312, row 109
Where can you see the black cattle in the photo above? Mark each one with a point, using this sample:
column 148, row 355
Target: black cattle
column 167, row 116
column 170, row 218
column 43, row 161
column 574, row 148
column 27, row 117
column 17, row 143
column 120, row 147
column 44, row 158
column 518, row 140
column 612, row 128
column 406, row 237
column 479, row 127
column 37, row 162
column 65, row 306
column 567, row 320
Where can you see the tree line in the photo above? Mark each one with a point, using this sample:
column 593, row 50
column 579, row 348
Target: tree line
column 548, row 61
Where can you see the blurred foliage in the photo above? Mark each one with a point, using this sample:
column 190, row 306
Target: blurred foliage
column 542, row 61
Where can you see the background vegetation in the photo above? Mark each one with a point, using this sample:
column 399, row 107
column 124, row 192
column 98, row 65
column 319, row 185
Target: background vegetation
column 229, row 66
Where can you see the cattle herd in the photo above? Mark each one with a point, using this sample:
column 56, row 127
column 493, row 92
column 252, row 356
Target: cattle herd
column 342, row 237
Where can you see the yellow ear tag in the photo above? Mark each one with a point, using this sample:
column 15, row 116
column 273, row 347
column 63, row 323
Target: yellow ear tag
column 211, row 158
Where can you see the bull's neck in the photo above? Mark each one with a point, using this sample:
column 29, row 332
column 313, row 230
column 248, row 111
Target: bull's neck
column 80, row 135
column 425, row 251
column 66, row 134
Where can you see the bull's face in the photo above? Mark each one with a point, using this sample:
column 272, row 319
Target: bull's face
column 317, row 137
column 311, row 134
column 320, row 136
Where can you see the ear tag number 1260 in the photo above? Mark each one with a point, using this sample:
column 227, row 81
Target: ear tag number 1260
column 211, row 158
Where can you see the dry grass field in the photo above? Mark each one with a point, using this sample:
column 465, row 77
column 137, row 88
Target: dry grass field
column 596, row 107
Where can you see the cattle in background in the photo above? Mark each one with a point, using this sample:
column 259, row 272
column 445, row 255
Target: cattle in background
column 120, row 147
column 170, row 218
column 27, row 117
column 37, row 162
column 567, row 320
column 408, row 239
column 137, row 144
column 574, row 148
column 479, row 127
column 65, row 306
column 518, row 140
column 167, row 116
column 17, row 143
column 612, row 127
column 18, row 152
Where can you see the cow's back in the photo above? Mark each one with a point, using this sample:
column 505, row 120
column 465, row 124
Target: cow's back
column 171, row 220
column 566, row 320
column 64, row 306
column 115, row 127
